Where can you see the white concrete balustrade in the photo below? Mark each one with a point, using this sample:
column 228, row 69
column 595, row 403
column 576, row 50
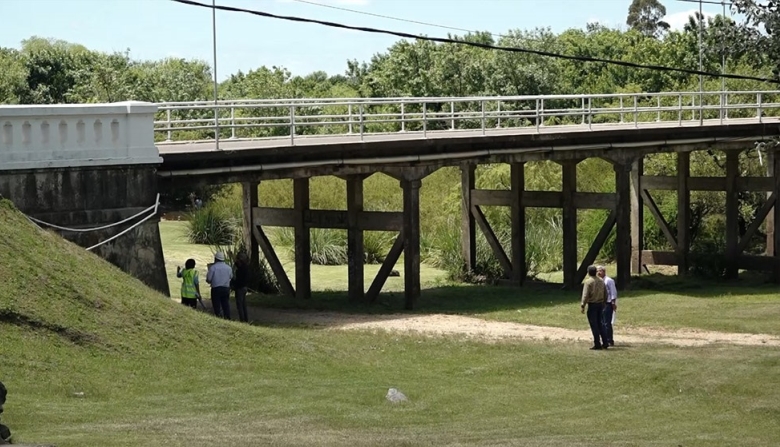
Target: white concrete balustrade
column 73, row 135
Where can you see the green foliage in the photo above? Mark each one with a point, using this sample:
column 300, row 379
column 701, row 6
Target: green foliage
column 214, row 224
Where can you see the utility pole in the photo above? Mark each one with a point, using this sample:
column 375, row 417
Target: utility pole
column 216, row 94
column 701, row 65
column 723, row 52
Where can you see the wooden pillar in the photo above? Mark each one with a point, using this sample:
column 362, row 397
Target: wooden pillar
column 623, row 241
column 732, row 214
column 770, row 218
column 637, row 216
column 468, row 227
column 776, row 217
column 302, row 239
column 355, row 251
column 683, row 211
column 518, row 223
column 569, row 224
column 250, row 201
column 411, row 199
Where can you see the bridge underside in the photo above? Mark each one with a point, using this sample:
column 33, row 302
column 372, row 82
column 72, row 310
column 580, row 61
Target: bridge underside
column 626, row 205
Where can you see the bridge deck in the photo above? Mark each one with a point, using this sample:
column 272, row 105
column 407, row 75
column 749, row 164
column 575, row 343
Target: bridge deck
column 250, row 160
column 192, row 147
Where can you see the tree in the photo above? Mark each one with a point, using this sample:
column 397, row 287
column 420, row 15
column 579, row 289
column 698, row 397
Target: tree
column 13, row 82
column 762, row 20
column 646, row 17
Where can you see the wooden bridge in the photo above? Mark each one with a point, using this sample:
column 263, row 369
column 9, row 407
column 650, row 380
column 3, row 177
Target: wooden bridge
column 409, row 138
column 48, row 153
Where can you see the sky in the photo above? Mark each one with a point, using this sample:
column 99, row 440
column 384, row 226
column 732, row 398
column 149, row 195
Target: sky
column 155, row 29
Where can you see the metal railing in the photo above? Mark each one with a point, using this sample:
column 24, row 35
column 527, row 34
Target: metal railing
column 359, row 117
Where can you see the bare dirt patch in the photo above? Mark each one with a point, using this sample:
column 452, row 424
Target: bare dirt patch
column 476, row 328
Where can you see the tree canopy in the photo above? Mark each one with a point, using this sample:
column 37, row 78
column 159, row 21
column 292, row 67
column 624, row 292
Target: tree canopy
column 48, row 71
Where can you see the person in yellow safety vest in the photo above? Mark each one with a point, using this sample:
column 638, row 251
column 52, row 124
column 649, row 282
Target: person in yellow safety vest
column 190, row 287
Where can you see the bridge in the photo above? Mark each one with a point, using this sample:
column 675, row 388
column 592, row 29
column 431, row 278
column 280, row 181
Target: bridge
column 249, row 141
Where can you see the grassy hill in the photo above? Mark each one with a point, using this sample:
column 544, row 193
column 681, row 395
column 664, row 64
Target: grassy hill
column 153, row 372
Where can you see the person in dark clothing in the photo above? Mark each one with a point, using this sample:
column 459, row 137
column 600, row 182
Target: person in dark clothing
column 240, row 284
column 594, row 294
column 5, row 432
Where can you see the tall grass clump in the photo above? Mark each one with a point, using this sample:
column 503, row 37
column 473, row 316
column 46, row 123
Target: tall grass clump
column 214, row 224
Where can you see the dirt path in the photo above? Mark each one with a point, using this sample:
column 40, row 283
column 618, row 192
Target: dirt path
column 476, row 328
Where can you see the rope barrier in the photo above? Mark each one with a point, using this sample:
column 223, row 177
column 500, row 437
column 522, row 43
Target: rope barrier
column 154, row 213
column 87, row 230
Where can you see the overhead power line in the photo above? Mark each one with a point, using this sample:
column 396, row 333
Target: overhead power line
column 480, row 45
column 399, row 19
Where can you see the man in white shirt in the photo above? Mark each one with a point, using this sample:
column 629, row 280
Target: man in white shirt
column 219, row 276
column 611, row 305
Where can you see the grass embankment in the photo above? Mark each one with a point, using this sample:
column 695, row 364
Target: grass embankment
column 156, row 373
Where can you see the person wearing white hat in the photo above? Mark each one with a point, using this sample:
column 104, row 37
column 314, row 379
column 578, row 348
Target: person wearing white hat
column 219, row 276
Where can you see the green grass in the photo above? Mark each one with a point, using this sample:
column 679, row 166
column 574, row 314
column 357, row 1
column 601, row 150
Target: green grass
column 154, row 372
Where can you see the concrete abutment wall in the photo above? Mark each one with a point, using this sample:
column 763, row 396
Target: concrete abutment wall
column 88, row 166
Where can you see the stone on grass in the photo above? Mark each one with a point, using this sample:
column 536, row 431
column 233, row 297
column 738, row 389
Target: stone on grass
column 394, row 396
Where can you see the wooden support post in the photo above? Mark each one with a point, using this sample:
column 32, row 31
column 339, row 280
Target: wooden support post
column 637, row 216
column 411, row 231
column 355, row 252
column 302, row 239
column 683, row 211
column 468, row 228
column 770, row 218
column 250, row 201
column 273, row 261
column 386, row 268
column 518, row 223
column 623, row 246
column 776, row 217
column 732, row 214
column 569, row 224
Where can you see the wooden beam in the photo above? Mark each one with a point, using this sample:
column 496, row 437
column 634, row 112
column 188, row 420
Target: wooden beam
column 732, row 214
column 273, row 261
column 517, row 173
column 491, row 197
column 386, row 268
column 249, row 203
column 622, row 213
column 492, row 240
column 468, row 240
column 302, row 239
column 752, row 184
column 669, row 183
column 683, row 211
column 762, row 214
column 637, row 217
column 596, row 246
column 656, row 257
column 569, row 224
column 334, row 219
column 411, row 200
column 542, row 199
column 659, row 218
column 355, row 250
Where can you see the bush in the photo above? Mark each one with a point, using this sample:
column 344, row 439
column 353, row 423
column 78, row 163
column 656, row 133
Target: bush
column 376, row 244
column 213, row 225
